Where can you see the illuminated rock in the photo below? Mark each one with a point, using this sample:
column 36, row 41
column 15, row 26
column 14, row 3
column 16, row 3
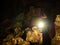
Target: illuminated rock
column 57, row 21
column 17, row 40
column 8, row 38
column 56, row 39
column 34, row 35
column 26, row 43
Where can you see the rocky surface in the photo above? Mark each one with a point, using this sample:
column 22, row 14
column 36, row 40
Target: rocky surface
column 56, row 39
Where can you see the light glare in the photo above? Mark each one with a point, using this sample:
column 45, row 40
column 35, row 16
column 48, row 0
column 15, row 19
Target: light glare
column 40, row 24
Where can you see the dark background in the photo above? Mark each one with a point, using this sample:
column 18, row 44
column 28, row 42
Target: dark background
column 11, row 8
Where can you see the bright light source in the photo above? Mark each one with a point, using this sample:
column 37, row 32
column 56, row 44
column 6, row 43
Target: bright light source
column 40, row 24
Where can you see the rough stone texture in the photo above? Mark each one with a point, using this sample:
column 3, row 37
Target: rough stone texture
column 56, row 39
